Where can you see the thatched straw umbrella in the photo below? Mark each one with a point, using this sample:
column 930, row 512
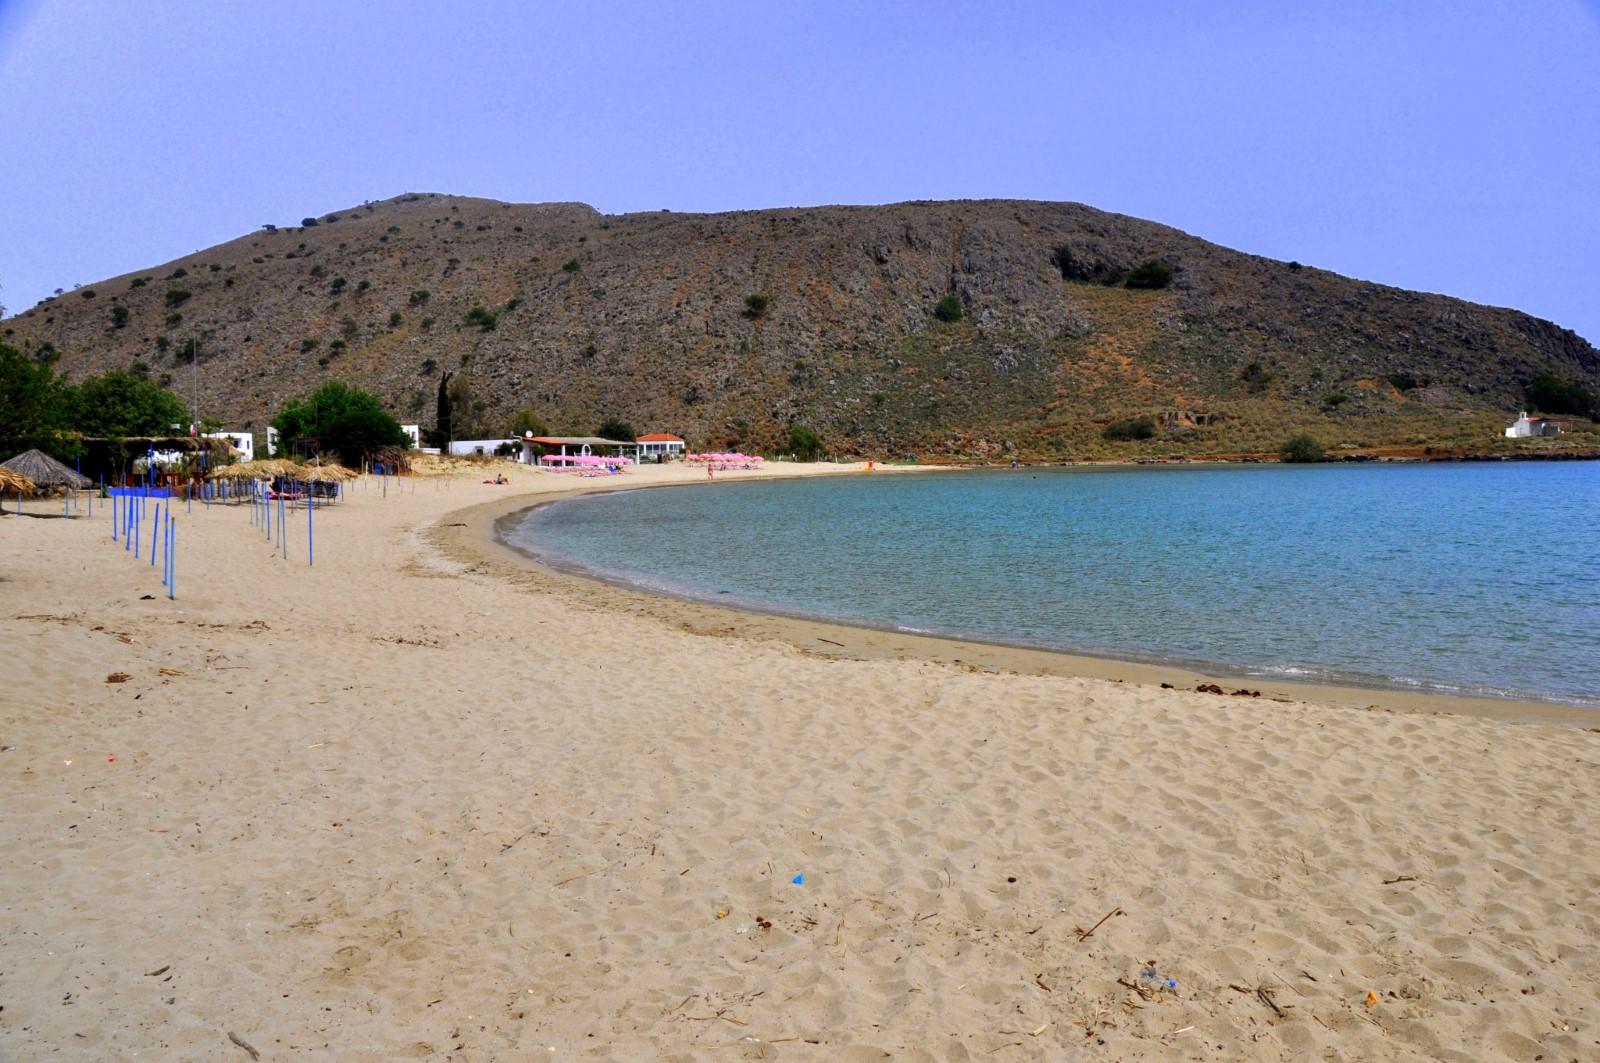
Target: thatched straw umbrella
column 264, row 469
column 14, row 482
column 45, row 471
column 322, row 473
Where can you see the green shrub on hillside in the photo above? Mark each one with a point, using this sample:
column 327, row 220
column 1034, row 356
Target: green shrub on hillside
column 1071, row 269
column 420, row 296
column 1302, row 447
column 1131, row 428
column 176, row 297
column 1150, row 276
column 1549, row 394
column 804, row 444
column 1088, row 271
column 755, row 305
column 481, row 319
column 949, row 308
column 1256, row 377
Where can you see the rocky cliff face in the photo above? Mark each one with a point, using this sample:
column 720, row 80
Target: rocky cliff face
column 581, row 316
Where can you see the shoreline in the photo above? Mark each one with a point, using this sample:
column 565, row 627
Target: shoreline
column 481, row 543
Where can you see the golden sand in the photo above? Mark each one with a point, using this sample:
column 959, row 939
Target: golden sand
column 426, row 800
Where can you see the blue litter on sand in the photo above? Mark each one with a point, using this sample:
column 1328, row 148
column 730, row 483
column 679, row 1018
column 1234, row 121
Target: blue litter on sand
column 799, row 880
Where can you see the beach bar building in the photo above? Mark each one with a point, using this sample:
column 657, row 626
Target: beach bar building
column 660, row 446
column 565, row 447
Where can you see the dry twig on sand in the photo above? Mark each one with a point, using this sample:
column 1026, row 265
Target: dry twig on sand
column 1084, row 935
column 1264, row 995
column 242, row 1043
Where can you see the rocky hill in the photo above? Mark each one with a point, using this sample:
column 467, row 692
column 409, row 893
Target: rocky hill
column 581, row 316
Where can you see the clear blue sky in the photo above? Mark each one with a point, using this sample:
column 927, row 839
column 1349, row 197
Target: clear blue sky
column 1447, row 146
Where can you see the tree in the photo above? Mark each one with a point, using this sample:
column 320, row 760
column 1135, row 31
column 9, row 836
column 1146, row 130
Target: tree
column 615, row 429
column 949, row 308
column 339, row 418
column 804, row 443
column 526, row 423
column 443, row 423
column 1302, row 447
column 33, row 403
column 120, row 403
column 466, row 409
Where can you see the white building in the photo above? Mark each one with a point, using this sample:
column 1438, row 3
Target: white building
column 415, row 433
column 243, row 442
column 660, row 446
column 1532, row 426
column 466, row 448
column 272, row 442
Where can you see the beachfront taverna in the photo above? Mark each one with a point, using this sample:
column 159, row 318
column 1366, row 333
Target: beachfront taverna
column 1532, row 426
column 660, row 446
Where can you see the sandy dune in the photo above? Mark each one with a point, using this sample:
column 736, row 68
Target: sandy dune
column 423, row 801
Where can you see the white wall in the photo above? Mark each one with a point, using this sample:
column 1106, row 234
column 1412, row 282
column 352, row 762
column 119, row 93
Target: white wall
column 470, row 447
column 244, row 442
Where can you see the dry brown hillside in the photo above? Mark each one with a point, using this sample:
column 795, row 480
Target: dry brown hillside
column 644, row 317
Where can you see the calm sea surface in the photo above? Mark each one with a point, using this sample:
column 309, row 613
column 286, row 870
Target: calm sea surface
column 1473, row 579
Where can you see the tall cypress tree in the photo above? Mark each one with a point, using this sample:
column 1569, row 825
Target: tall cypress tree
column 442, row 412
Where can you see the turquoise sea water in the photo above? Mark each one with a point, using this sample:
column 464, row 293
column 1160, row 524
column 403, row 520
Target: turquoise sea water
column 1459, row 578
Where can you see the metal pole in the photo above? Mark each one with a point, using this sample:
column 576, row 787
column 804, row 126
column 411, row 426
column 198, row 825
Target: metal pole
column 113, row 518
column 172, row 564
column 155, row 535
column 310, row 543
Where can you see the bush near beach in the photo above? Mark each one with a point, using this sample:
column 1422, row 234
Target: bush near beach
column 1302, row 447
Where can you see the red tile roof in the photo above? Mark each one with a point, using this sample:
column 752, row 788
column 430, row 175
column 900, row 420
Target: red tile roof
column 660, row 437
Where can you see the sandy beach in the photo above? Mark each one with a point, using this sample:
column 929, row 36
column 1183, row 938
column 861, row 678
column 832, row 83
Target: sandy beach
column 427, row 800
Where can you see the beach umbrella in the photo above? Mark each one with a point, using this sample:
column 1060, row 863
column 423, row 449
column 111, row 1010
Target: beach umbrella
column 14, row 482
column 45, row 471
column 322, row 473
